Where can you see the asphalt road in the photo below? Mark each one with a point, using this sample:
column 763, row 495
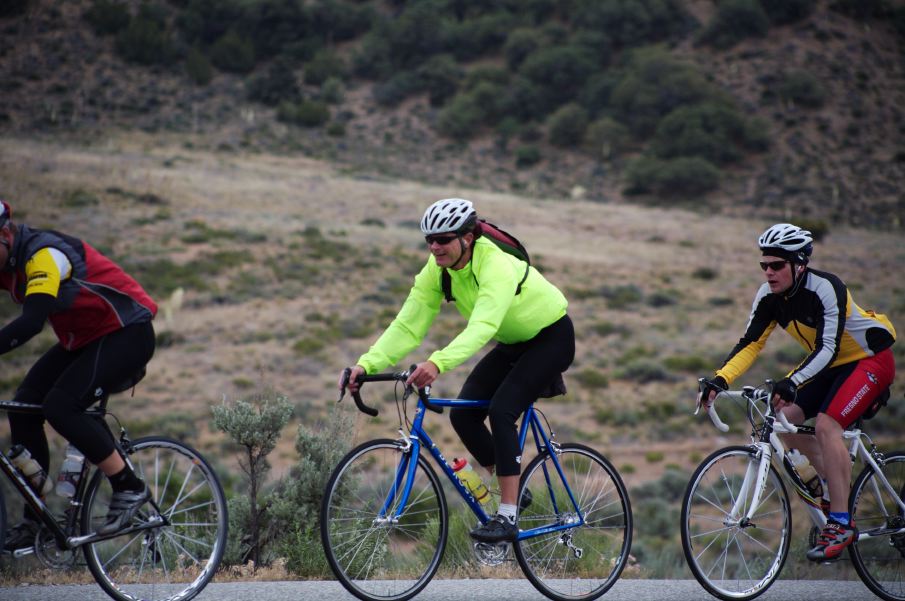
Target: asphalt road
column 462, row 590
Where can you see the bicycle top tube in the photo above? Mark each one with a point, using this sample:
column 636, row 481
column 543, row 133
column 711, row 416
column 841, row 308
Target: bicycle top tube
column 17, row 407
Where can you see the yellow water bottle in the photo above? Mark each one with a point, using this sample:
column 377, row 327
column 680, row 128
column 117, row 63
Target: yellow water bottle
column 471, row 480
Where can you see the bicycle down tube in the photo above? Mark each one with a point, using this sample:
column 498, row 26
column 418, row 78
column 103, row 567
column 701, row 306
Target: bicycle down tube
column 418, row 438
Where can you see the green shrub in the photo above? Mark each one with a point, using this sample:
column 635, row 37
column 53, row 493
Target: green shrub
column 734, row 21
column 198, row 68
column 276, row 85
column 233, row 53
column 439, row 76
column 606, row 138
column 633, row 22
column 622, row 297
column 644, row 371
column 560, row 70
column 526, row 156
column 526, row 100
column 689, row 363
column 861, row 9
column 397, row 88
column 705, row 273
column 333, row 91
column 782, row 12
column 80, row 198
column 714, row 132
column 325, row 64
column 145, row 42
column 107, row 16
column 681, row 177
column 654, row 456
column 655, row 84
column 567, row 125
column 802, row 88
column 520, row 43
column 818, row 227
column 591, row 378
column 461, row 118
column 307, row 113
column 475, row 37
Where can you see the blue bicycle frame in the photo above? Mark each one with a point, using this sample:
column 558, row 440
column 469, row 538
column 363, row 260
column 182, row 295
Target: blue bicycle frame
column 418, row 438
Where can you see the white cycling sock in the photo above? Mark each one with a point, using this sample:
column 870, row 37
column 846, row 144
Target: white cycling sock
column 507, row 511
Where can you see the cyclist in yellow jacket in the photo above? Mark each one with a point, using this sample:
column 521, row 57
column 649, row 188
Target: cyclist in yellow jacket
column 848, row 366
column 525, row 316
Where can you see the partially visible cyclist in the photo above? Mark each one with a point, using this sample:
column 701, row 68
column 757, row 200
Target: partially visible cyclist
column 527, row 319
column 849, row 364
column 102, row 319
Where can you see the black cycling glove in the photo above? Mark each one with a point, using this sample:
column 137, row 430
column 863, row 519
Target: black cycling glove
column 716, row 383
column 786, row 389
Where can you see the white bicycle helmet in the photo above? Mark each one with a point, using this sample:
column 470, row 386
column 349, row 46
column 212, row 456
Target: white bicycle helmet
column 787, row 240
column 449, row 215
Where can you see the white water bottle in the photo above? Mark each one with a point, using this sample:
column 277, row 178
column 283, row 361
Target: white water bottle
column 31, row 469
column 68, row 480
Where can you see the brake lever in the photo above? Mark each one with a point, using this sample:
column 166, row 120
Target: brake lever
column 344, row 382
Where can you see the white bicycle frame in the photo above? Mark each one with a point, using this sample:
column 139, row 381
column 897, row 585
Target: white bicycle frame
column 755, row 480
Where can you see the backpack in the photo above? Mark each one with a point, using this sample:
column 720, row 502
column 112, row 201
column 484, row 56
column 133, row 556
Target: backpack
column 505, row 241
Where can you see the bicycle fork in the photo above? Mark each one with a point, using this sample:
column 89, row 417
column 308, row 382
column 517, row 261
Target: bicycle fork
column 754, row 483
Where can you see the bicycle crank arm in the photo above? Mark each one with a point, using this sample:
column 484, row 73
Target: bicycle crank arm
column 78, row 541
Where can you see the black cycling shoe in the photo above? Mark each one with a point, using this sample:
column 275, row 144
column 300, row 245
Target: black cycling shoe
column 123, row 506
column 526, row 500
column 497, row 530
column 21, row 536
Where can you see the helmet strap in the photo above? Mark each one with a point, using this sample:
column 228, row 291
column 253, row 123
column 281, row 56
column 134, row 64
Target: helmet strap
column 462, row 249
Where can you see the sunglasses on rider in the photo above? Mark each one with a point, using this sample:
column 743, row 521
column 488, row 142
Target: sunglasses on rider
column 441, row 239
column 774, row 265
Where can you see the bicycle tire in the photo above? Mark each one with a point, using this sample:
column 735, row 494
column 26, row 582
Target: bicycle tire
column 374, row 559
column 3, row 522
column 168, row 563
column 748, row 558
column 880, row 560
column 550, row 561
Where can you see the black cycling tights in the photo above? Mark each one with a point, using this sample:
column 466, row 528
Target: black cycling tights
column 65, row 383
column 512, row 376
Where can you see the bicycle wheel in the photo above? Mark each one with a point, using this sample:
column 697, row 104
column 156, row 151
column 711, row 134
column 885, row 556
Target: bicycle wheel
column 172, row 562
column 375, row 556
column 585, row 561
column 732, row 559
column 880, row 559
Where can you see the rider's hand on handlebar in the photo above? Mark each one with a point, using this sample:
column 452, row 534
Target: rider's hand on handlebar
column 784, row 393
column 709, row 389
column 352, row 385
column 424, row 375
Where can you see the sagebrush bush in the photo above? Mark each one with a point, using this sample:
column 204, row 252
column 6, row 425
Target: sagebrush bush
column 782, row 12
column 107, row 16
column 734, row 21
column 716, row 132
column 439, row 76
column 461, row 118
column 277, row 84
column 682, row 177
column 526, row 156
column 521, row 43
column 567, row 126
column 324, row 65
column 307, row 113
column 606, row 138
column 801, row 88
column 145, row 42
column 198, row 68
column 233, row 53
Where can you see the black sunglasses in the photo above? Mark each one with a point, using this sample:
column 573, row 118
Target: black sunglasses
column 441, row 239
column 774, row 265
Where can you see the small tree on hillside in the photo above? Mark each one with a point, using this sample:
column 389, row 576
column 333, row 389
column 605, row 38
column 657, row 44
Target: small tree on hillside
column 255, row 426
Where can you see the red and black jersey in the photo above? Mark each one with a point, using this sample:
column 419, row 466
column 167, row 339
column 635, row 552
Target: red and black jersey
column 91, row 295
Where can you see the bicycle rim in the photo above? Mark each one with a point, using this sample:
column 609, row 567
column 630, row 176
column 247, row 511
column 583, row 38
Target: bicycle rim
column 880, row 560
column 585, row 561
column 373, row 555
column 729, row 559
column 172, row 562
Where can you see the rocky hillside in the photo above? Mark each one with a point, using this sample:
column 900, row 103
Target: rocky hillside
column 821, row 92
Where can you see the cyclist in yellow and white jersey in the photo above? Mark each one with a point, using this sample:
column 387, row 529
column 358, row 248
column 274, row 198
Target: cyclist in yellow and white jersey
column 849, row 364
